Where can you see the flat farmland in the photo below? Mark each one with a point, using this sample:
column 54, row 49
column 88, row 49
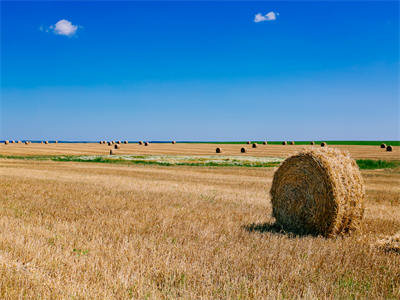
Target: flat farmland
column 356, row 151
column 98, row 230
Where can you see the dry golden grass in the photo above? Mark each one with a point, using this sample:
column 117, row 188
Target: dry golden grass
column 87, row 230
column 357, row 152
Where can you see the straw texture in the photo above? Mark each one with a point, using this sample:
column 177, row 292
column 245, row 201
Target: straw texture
column 318, row 191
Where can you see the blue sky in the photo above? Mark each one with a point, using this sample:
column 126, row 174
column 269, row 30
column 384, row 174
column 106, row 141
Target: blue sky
column 200, row 70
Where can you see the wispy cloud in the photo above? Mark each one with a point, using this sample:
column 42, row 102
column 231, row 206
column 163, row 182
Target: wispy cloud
column 271, row 16
column 62, row 27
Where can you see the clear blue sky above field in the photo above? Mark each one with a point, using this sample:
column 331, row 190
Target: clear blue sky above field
column 200, row 70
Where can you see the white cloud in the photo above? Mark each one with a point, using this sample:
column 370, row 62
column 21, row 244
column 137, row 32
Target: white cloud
column 64, row 27
column 271, row 16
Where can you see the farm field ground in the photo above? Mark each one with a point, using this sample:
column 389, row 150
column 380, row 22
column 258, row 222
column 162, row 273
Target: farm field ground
column 356, row 151
column 97, row 230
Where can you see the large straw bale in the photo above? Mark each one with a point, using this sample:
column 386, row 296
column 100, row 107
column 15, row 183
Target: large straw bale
column 318, row 191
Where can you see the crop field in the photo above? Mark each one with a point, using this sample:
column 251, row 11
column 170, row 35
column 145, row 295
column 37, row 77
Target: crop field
column 34, row 149
column 71, row 229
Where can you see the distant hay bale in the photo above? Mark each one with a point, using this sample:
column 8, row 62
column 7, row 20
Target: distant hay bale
column 243, row 150
column 254, row 145
column 111, row 152
column 292, row 143
column 389, row 243
column 26, row 142
column 6, row 142
column 323, row 144
column 116, row 146
column 248, row 143
column 284, row 143
column 113, row 142
column 383, row 146
column 119, row 142
column 312, row 143
column 265, row 142
column 389, row 148
column 173, row 142
column 101, row 142
column 140, row 143
column 125, row 142
column 318, row 191
column 109, row 143
column 146, row 143
column 218, row 150
column 46, row 142
column 12, row 142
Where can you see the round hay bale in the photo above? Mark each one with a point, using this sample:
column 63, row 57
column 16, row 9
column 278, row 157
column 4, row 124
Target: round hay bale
column 318, row 191
column 6, row 142
column 284, row 143
column 312, row 143
column 116, row 146
column 265, row 142
column 146, row 143
column 140, row 143
column 125, row 142
column 119, row 142
column 323, row 144
column 291, row 143
column 383, row 146
column 101, row 142
column 254, row 145
column 218, row 150
column 109, row 143
column 248, row 143
column 243, row 150
column 26, row 142
column 173, row 142
column 111, row 152
column 113, row 142
column 46, row 142
column 12, row 142
column 389, row 148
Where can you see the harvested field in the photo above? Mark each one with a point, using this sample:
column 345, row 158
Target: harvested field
column 80, row 230
column 356, row 151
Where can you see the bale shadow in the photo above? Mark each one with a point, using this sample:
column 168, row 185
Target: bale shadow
column 275, row 228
